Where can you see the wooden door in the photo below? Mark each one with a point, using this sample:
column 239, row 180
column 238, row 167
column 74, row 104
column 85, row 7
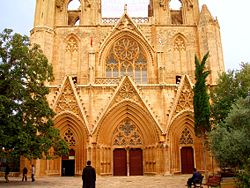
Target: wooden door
column 187, row 160
column 135, row 162
column 120, row 162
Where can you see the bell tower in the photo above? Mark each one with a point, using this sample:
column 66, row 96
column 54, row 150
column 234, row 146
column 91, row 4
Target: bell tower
column 162, row 13
column 43, row 31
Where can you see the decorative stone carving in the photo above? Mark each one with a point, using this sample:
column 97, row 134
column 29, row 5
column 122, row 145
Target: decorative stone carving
column 179, row 44
column 59, row 4
column 69, row 137
column 127, row 135
column 126, row 49
column 164, row 3
column 186, row 137
column 127, row 91
column 67, row 100
column 126, row 24
column 72, row 45
column 185, row 100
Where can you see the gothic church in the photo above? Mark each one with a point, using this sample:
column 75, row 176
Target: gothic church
column 123, row 86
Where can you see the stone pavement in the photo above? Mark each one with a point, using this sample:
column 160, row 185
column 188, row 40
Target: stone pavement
column 176, row 181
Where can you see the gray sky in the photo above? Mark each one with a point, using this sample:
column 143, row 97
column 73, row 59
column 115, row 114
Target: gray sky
column 232, row 15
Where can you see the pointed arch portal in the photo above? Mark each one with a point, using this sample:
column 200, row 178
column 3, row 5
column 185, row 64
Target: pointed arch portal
column 127, row 130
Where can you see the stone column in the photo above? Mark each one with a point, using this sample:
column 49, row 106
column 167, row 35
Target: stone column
column 166, row 155
column 91, row 65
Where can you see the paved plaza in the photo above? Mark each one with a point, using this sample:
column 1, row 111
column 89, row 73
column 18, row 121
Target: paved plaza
column 176, row 181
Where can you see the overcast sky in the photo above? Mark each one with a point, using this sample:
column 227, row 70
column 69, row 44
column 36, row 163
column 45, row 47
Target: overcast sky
column 232, row 15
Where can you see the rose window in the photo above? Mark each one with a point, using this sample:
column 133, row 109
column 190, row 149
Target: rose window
column 127, row 58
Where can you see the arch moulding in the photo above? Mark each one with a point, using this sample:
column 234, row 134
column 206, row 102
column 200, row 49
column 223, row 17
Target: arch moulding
column 127, row 110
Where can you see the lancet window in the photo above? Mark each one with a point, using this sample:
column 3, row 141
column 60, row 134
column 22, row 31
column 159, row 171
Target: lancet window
column 74, row 5
column 72, row 45
column 74, row 12
column 127, row 58
column 179, row 44
column 175, row 4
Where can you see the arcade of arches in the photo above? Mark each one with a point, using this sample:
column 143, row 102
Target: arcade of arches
column 122, row 92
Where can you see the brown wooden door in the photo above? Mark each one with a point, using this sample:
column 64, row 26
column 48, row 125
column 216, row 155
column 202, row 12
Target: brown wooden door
column 135, row 162
column 120, row 162
column 187, row 160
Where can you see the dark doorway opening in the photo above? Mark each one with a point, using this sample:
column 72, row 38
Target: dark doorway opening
column 187, row 160
column 68, row 164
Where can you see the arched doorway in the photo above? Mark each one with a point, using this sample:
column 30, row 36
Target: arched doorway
column 73, row 131
column 125, row 133
column 68, row 164
column 128, row 136
column 187, row 160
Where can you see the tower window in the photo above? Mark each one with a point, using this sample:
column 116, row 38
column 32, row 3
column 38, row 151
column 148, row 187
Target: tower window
column 177, row 79
column 175, row 4
column 74, row 79
column 74, row 5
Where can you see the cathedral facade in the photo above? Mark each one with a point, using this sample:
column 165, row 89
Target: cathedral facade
column 123, row 86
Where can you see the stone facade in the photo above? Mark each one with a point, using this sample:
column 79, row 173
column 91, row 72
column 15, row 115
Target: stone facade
column 123, row 86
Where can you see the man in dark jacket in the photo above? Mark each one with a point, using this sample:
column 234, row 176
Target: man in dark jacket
column 7, row 171
column 88, row 176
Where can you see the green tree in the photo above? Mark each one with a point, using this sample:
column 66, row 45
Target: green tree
column 25, row 116
column 231, row 86
column 230, row 141
column 201, row 103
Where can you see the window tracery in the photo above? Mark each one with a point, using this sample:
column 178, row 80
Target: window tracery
column 179, row 44
column 69, row 137
column 127, row 58
column 127, row 135
column 186, row 137
column 72, row 45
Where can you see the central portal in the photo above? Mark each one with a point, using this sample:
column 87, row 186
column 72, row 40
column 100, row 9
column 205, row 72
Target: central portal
column 130, row 160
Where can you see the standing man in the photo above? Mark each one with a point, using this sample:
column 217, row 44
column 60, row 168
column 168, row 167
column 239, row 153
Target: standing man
column 88, row 176
column 7, row 171
column 25, row 171
column 33, row 173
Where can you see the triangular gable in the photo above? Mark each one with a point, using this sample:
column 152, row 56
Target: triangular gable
column 68, row 100
column 184, row 98
column 127, row 91
column 125, row 23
